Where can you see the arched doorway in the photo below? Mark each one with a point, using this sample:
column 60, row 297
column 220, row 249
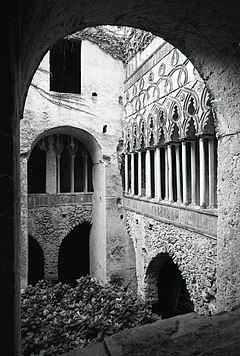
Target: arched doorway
column 172, row 294
column 73, row 258
column 35, row 262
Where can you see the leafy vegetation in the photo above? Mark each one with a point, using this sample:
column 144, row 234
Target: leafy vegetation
column 59, row 318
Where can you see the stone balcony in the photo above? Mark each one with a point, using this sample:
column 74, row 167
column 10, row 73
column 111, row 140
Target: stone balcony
column 36, row 200
column 189, row 217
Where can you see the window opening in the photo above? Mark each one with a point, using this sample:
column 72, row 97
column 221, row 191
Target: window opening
column 65, row 67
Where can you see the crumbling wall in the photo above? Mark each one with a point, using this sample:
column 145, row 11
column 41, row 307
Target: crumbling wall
column 193, row 253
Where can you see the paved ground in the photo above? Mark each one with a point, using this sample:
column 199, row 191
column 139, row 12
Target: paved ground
column 188, row 335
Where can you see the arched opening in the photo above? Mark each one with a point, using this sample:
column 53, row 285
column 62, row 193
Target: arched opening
column 172, row 295
column 35, row 262
column 73, row 258
column 37, row 170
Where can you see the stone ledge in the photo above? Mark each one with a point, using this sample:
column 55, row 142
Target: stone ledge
column 192, row 219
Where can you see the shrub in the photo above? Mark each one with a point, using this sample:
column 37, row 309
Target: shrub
column 58, row 318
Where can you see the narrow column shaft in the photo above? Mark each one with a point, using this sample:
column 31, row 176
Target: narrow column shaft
column 126, row 173
column 51, row 181
column 202, row 172
column 72, row 173
column 184, row 172
column 157, row 172
column 85, row 172
column 139, row 173
column 132, row 174
column 193, row 172
column 166, row 174
column 178, row 174
column 170, row 173
column 58, row 173
column 148, row 174
column 211, row 162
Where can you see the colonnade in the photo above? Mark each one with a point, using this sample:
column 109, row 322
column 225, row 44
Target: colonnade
column 183, row 172
column 68, row 165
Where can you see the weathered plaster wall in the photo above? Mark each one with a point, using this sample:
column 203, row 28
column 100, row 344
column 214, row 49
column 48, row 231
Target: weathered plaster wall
column 193, row 253
column 81, row 116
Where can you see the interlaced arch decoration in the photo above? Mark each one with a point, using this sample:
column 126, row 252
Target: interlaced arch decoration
column 174, row 100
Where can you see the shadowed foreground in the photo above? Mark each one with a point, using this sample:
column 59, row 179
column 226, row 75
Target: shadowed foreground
column 188, row 334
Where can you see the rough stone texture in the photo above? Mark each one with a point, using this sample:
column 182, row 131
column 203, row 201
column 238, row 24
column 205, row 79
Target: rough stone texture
column 194, row 254
column 49, row 226
column 228, row 247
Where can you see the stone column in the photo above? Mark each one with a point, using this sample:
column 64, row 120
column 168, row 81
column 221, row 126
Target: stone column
column 170, row 173
column 157, row 172
column 58, row 147
column 51, row 252
column 193, row 173
column 178, row 173
column 211, row 163
column 72, row 147
column 132, row 174
column 202, row 172
column 139, row 173
column 51, row 168
column 126, row 173
column 24, row 223
column 85, row 172
column 148, row 174
column 166, row 174
column 184, row 172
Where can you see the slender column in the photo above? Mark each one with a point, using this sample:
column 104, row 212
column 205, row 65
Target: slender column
column 157, row 172
column 58, row 173
column 72, row 173
column 72, row 147
column 148, row 174
column 193, row 172
column 202, row 172
column 166, row 174
column 170, row 173
column 211, row 160
column 51, row 168
column 126, row 173
column 58, row 147
column 85, row 173
column 132, row 174
column 178, row 174
column 139, row 173
column 184, row 172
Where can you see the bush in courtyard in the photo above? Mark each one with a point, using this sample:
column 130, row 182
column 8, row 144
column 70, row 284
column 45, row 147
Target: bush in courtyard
column 58, row 318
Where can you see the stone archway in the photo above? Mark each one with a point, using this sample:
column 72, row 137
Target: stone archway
column 167, row 288
column 28, row 29
column 73, row 258
column 35, row 261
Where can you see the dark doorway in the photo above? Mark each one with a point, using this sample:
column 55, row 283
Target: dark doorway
column 173, row 297
column 73, row 258
column 35, row 262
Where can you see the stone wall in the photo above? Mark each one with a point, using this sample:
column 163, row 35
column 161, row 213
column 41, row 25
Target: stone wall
column 50, row 225
column 193, row 253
